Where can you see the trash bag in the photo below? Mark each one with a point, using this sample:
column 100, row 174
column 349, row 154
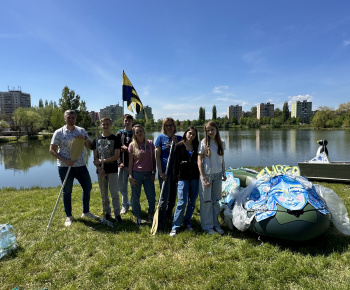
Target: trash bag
column 336, row 208
column 7, row 239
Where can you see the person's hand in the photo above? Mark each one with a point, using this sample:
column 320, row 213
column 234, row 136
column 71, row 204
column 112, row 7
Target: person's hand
column 97, row 162
column 133, row 181
column 69, row 162
column 224, row 177
column 124, row 148
column 164, row 176
column 205, row 182
column 121, row 166
column 101, row 171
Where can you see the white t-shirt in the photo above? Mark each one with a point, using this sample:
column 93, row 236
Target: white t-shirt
column 62, row 138
column 213, row 163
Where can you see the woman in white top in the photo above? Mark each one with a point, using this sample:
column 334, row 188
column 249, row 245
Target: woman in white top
column 212, row 171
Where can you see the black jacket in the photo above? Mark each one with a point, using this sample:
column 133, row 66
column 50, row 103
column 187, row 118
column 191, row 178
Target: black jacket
column 185, row 166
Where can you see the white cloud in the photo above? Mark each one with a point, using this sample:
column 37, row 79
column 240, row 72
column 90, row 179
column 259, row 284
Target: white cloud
column 219, row 89
column 293, row 99
column 346, row 42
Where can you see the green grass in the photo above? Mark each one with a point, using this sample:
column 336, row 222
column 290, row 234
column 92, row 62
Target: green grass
column 90, row 255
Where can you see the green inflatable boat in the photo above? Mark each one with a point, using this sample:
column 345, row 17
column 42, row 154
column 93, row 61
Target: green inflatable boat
column 274, row 204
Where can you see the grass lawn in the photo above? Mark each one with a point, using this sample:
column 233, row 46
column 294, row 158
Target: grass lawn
column 90, row 255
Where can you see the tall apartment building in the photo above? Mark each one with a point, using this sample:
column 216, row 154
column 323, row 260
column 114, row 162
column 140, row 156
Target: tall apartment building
column 234, row 111
column 148, row 111
column 114, row 112
column 94, row 116
column 265, row 110
column 12, row 100
column 303, row 110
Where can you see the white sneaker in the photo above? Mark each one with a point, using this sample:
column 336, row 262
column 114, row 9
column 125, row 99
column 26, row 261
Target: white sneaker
column 173, row 233
column 89, row 215
column 68, row 221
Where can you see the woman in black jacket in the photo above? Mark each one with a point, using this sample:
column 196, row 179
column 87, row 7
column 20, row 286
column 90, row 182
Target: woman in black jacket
column 186, row 173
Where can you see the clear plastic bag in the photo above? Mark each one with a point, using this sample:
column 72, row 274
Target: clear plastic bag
column 8, row 240
column 336, row 208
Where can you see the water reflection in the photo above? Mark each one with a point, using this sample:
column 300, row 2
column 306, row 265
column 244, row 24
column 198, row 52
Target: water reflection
column 30, row 164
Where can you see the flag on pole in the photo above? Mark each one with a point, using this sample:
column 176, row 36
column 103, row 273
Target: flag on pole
column 131, row 97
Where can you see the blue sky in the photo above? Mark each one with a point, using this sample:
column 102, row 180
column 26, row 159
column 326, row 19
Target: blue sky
column 179, row 55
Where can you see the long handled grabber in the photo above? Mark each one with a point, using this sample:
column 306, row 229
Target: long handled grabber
column 103, row 146
column 76, row 146
column 156, row 214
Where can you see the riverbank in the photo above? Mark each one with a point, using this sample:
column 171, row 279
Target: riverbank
column 90, row 255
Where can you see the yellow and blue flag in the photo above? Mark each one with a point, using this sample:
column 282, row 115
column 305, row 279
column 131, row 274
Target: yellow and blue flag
column 130, row 96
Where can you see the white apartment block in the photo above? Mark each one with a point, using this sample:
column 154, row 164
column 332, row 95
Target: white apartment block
column 303, row 110
column 141, row 115
column 114, row 112
column 265, row 110
column 234, row 111
column 12, row 100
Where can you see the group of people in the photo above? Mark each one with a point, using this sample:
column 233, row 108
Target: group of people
column 186, row 168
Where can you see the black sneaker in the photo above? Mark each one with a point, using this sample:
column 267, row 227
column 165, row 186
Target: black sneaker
column 119, row 219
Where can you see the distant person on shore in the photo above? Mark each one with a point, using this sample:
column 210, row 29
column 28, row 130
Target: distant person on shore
column 60, row 148
column 163, row 145
column 125, row 136
column 186, row 173
column 142, row 167
column 212, row 171
column 106, row 155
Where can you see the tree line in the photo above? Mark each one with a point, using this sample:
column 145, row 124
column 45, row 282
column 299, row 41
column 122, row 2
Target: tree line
column 49, row 116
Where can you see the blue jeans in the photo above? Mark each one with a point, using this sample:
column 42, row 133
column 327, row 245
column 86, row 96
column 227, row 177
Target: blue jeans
column 168, row 199
column 143, row 178
column 209, row 201
column 123, row 177
column 82, row 175
column 187, row 190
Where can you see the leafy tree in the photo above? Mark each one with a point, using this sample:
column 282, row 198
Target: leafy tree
column 97, row 123
column 85, row 119
column 253, row 122
column 41, row 104
column 116, row 123
column 344, row 107
column 277, row 113
column 69, row 101
column 285, row 113
column 139, row 121
column 325, row 108
column 253, row 111
column 214, row 112
column 276, row 122
column 3, row 125
column 46, row 103
column 28, row 120
column 57, row 118
column 242, row 120
column 233, row 120
column 201, row 118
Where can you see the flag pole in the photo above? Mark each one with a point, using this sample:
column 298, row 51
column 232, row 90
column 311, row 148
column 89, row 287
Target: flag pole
column 123, row 128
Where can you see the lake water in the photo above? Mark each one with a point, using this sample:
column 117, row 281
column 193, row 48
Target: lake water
column 30, row 164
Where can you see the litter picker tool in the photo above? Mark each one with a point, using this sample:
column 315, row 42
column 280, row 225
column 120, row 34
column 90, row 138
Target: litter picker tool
column 156, row 214
column 76, row 147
